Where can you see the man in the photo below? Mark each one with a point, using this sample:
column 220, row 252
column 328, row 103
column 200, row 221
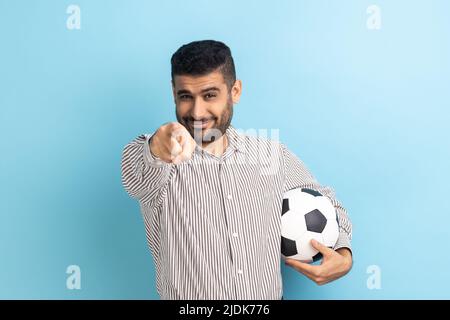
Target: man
column 211, row 197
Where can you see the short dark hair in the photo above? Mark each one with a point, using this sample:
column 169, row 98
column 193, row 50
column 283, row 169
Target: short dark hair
column 202, row 57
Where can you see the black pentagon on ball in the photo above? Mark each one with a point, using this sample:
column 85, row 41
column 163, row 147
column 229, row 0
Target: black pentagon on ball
column 315, row 221
column 312, row 192
column 317, row 257
column 288, row 247
column 285, row 206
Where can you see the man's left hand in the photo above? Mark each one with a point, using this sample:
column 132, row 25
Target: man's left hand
column 335, row 264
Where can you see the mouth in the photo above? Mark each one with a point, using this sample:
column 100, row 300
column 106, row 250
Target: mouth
column 200, row 124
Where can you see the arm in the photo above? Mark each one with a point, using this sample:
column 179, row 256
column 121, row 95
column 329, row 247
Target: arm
column 143, row 175
column 298, row 176
column 337, row 262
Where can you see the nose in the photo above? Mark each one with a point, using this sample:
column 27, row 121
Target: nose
column 198, row 110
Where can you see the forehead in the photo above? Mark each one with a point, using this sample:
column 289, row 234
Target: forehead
column 197, row 83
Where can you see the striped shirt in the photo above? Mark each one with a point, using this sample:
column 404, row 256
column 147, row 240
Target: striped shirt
column 213, row 224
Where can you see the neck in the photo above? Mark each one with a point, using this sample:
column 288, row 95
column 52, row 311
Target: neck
column 217, row 147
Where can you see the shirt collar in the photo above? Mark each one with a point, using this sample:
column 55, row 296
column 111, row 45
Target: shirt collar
column 235, row 139
column 235, row 142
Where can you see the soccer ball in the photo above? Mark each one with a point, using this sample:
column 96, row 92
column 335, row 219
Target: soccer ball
column 307, row 215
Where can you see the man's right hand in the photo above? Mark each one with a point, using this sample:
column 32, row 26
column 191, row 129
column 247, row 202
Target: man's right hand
column 172, row 143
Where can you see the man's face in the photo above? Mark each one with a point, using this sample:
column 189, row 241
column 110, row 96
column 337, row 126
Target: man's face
column 204, row 104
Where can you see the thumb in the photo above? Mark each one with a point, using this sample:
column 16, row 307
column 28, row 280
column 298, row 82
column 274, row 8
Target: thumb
column 188, row 147
column 324, row 250
column 175, row 148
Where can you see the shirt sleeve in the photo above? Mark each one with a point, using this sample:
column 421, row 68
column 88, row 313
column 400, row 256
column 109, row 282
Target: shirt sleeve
column 296, row 175
column 143, row 175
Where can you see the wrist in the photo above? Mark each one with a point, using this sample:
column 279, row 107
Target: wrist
column 346, row 253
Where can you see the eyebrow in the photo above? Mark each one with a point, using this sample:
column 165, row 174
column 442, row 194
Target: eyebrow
column 184, row 91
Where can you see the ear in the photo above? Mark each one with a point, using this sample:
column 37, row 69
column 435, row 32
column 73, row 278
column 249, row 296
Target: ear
column 236, row 91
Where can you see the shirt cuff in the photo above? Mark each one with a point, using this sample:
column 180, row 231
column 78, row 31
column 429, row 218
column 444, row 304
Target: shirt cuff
column 343, row 241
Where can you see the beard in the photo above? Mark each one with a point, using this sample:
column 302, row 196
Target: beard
column 206, row 136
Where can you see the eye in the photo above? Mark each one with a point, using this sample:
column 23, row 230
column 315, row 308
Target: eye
column 210, row 95
column 185, row 97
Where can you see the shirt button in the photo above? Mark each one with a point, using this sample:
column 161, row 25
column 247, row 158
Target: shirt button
column 235, row 235
column 240, row 271
column 229, row 196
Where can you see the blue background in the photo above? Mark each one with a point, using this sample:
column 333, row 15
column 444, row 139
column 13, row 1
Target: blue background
column 366, row 110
